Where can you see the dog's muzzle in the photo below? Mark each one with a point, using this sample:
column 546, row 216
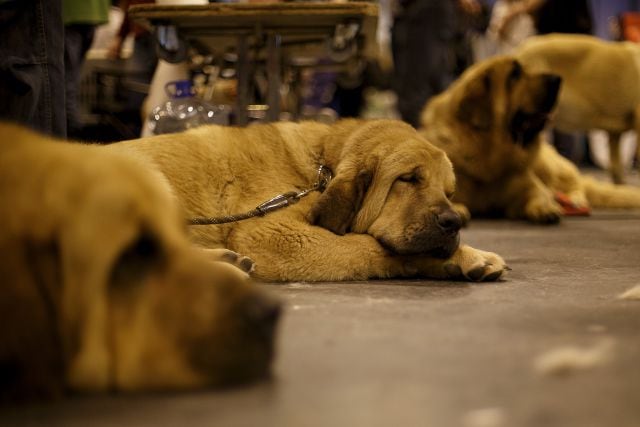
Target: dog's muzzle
column 449, row 222
column 438, row 237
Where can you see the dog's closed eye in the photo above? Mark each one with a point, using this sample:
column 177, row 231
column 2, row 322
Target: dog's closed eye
column 412, row 177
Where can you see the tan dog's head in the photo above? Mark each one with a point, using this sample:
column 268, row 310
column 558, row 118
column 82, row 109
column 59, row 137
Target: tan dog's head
column 394, row 185
column 187, row 322
column 101, row 289
column 500, row 94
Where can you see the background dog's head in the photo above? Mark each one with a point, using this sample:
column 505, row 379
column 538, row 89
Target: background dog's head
column 500, row 93
column 100, row 288
column 496, row 99
column 394, row 185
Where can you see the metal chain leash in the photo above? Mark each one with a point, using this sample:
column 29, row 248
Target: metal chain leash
column 278, row 202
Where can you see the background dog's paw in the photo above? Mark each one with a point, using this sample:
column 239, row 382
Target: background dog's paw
column 579, row 199
column 242, row 262
column 574, row 203
column 475, row 265
column 543, row 211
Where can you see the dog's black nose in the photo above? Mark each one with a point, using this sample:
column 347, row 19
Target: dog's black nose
column 262, row 311
column 449, row 221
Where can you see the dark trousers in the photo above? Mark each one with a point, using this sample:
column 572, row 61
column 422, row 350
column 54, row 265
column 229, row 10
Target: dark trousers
column 32, row 90
column 77, row 41
column 423, row 36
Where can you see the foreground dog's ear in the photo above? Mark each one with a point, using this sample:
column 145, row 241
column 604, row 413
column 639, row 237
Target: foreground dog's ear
column 340, row 202
column 474, row 107
column 136, row 261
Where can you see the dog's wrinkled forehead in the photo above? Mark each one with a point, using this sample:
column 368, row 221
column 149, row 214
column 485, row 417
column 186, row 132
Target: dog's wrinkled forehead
column 419, row 157
column 504, row 75
column 496, row 73
column 440, row 171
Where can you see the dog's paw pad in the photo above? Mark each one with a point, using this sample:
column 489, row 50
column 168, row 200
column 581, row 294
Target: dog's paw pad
column 242, row 262
column 476, row 274
column 543, row 211
column 230, row 257
column 453, row 270
column 492, row 277
column 476, row 265
column 246, row 264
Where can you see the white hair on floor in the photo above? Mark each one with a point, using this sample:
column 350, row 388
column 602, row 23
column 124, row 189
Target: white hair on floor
column 569, row 359
column 633, row 293
column 485, row 417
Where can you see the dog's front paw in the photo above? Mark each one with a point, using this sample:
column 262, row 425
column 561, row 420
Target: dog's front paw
column 242, row 262
column 475, row 265
column 543, row 210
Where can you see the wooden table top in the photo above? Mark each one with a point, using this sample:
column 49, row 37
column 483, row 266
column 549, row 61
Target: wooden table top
column 280, row 16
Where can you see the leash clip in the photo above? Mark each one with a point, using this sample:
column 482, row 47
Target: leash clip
column 278, row 202
column 324, row 176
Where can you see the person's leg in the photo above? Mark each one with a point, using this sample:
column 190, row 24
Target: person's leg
column 144, row 58
column 141, row 66
column 77, row 41
column 32, row 65
column 422, row 44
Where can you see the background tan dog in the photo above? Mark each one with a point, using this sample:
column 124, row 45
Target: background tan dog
column 100, row 289
column 386, row 213
column 600, row 85
column 489, row 122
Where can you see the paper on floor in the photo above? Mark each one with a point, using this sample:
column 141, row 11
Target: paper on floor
column 568, row 359
column 633, row 293
column 485, row 417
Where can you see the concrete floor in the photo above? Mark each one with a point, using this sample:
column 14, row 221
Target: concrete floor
column 427, row 353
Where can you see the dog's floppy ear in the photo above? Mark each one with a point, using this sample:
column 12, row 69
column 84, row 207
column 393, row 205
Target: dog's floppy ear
column 136, row 261
column 474, row 108
column 340, row 202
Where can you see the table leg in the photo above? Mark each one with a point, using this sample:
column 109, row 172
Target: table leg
column 242, row 71
column 274, row 75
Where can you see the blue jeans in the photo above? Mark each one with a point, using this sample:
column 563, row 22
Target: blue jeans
column 32, row 89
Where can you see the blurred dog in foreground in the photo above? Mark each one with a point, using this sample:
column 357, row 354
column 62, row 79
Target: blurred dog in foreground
column 100, row 289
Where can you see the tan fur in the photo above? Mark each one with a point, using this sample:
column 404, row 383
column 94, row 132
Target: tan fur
column 101, row 290
column 378, row 218
column 501, row 171
column 601, row 84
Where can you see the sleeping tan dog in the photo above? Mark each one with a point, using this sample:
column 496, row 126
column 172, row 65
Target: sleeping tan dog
column 489, row 122
column 100, row 289
column 386, row 212
column 600, row 85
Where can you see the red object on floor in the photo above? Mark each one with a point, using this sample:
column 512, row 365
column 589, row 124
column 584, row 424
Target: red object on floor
column 569, row 208
column 630, row 23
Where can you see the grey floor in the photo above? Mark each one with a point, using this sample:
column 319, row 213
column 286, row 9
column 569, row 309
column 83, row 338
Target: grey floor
column 427, row 353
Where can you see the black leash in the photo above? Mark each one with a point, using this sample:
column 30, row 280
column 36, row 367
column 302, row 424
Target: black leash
column 278, row 202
